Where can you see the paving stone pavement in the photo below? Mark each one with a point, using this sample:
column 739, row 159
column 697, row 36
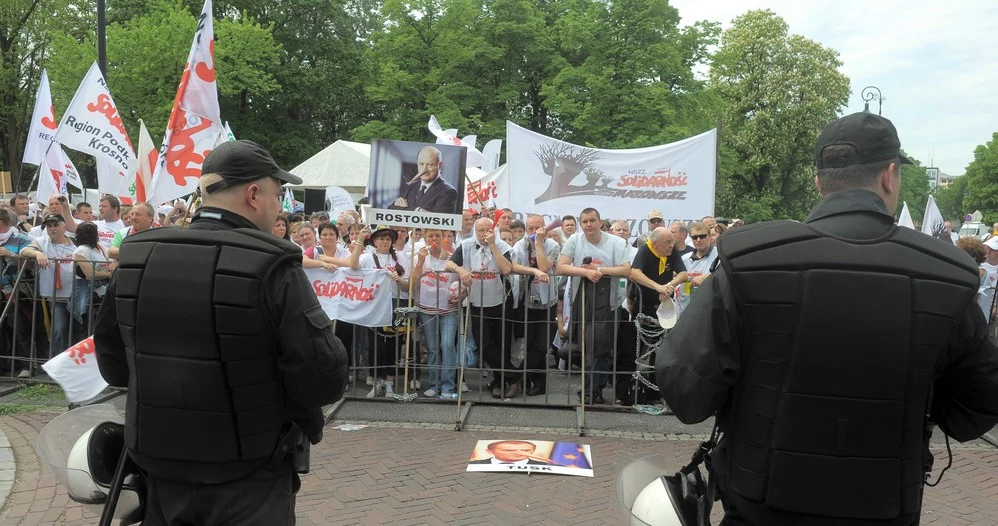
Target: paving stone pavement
column 409, row 474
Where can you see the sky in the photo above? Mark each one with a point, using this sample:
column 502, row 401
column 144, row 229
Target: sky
column 936, row 63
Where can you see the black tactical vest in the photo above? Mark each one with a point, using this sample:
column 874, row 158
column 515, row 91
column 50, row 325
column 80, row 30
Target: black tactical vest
column 205, row 400
column 828, row 417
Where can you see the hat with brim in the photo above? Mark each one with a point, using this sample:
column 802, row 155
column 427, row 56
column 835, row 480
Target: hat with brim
column 52, row 219
column 382, row 230
column 992, row 243
column 241, row 162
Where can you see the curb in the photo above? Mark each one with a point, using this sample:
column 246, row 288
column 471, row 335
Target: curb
column 8, row 469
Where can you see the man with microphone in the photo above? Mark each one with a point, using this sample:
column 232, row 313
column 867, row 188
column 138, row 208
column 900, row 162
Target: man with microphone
column 428, row 191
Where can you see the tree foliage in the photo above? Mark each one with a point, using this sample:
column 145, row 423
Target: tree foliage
column 950, row 199
column 779, row 91
column 982, row 180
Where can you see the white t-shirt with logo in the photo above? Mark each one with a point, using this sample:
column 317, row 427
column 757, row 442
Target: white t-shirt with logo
column 387, row 263
column 61, row 258
column 610, row 251
column 437, row 287
column 487, row 285
column 106, row 231
column 694, row 268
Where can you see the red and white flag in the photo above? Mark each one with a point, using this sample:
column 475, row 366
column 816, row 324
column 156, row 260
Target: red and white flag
column 55, row 172
column 148, row 158
column 92, row 125
column 43, row 124
column 362, row 297
column 195, row 120
column 76, row 371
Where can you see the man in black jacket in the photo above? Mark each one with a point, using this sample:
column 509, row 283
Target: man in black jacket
column 830, row 348
column 226, row 352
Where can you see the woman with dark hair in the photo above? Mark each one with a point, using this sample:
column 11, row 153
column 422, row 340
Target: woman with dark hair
column 387, row 259
column 281, row 228
column 92, row 271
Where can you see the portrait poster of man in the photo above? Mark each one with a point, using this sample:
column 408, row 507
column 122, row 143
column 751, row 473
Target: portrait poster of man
column 417, row 176
column 532, row 456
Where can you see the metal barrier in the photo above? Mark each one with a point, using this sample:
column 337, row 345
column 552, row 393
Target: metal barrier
column 500, row 354
column 39, row 322
column 606, row 356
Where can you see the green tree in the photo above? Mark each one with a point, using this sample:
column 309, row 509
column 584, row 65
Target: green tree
column 26, row 28
column 914, row 189
column 982, row 179
column 778, row 91
column 950, row 199
column 630, row 79
column 147, row 55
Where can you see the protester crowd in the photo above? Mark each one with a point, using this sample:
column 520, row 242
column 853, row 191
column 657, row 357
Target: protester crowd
column 519, row 286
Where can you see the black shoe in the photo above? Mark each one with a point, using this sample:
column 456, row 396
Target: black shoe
column 536, row 389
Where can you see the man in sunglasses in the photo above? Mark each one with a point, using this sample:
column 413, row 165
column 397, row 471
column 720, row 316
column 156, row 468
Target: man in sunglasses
column 697, row 263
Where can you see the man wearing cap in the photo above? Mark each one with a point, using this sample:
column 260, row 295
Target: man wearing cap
column 53, row 253
column 226, row 352
column 829, row 349
column 428, row 191
column 655, row 220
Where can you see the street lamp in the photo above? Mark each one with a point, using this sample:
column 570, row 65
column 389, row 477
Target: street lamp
column 868, row 95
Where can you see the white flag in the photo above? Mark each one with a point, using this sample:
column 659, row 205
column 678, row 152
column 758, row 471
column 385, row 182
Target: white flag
column 491, row 153
column 92, row 125
column 54, row 173
column 338, row 200
column 76, row 371
column 43, row 124
column 933, row 223
column 475, row 157
column 229, row 136
column 195, row 120
column 905, row 218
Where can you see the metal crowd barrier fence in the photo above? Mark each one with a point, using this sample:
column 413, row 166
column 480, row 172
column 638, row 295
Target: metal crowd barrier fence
column 39, row 321
column 591, row 354
column 495, row 352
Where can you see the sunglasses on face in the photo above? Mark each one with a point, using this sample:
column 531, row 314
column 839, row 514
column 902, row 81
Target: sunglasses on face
column 698, row 236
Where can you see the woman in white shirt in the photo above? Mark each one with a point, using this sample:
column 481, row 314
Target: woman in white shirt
column 92, row 271
column 386, row 339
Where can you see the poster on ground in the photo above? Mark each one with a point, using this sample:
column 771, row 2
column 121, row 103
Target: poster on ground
column 415, row 184
column 532, row 456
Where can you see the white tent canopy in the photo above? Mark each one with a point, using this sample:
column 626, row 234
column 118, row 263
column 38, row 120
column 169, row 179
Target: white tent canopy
column 348, row 165
column 343, row 163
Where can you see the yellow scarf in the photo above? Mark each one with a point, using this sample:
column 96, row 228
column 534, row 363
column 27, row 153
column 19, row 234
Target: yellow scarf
column 662, row 260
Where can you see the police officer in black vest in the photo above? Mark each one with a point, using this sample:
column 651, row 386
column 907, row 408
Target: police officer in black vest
column 829, row 349
column 226, row 352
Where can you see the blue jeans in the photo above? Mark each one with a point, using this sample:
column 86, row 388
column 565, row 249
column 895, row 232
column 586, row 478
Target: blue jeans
column 59, row 313
column 440, row 332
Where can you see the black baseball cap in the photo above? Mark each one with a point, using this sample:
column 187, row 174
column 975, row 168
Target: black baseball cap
column 240, row 162
column 873, row 138
column 53, row 218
